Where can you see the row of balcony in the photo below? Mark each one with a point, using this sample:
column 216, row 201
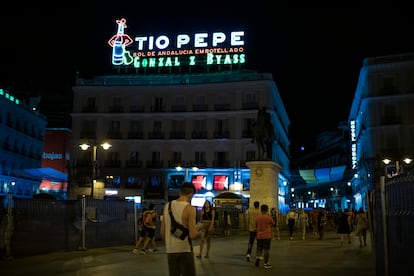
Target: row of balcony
column 161, row 135
column 158, row 163
column 21, row 151
column 174, row 108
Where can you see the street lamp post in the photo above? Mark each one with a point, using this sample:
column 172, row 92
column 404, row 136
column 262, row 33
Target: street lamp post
column 94, row 146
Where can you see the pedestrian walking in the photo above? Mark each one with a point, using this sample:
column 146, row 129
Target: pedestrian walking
column 303, row 221
column 179, row 250
column 314, row 220
column 275, row 228
column 291, row 219
column 150, row 219
column 264, row 224
column 251, row 215
column 361, row 222
column 322, row 221
column 141, row 232
column 343, row 225
column 227, row 223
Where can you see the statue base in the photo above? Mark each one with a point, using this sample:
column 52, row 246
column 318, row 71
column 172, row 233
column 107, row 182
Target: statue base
column 264, row 183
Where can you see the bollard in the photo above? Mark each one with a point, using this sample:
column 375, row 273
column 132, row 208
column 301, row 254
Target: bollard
column 83, row 223
column 9, row 226
column 135, row 222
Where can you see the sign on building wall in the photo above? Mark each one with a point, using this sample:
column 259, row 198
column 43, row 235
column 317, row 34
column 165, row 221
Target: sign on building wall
column 56, row 153
column 185, row 50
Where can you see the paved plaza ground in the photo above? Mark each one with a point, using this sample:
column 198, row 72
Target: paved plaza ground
column 227, row 257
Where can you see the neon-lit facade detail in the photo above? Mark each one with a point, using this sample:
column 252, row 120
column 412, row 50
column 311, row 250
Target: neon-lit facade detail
column 8, row 96
column 118, row 43
column 201, row 49
column 353, row 144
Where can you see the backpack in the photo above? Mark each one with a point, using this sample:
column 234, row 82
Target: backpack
column 178, row 230
column 140, row 220
column 149, row 218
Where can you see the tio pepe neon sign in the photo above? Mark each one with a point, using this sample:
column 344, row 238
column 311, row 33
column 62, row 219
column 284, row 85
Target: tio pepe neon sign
column 217, row 48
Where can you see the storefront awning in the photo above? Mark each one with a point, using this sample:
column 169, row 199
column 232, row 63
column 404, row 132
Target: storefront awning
column 323, row 175
column 48, row 174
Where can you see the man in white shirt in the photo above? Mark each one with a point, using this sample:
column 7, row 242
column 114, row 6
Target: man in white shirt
column 179, row 251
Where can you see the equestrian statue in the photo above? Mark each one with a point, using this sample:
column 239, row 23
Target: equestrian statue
column 263, row 134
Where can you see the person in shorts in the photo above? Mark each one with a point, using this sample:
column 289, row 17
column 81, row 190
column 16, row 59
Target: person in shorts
column 264, row 223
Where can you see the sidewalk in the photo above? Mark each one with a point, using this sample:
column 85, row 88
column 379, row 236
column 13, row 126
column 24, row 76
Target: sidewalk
column 227, row 257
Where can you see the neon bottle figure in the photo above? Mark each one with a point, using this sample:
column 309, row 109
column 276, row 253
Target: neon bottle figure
column 118, row 51
column 118, row 43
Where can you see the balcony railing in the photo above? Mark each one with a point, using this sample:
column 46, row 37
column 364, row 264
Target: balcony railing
column 133, row 163
column 221, row 163
column 177, row 135
column 200, row 107
column 221, row 134
column 135, row 135
column 156, row 135
column 116, row 109
column 112, row 163
column 199, row 135
column 154, row 163
column 179, row 108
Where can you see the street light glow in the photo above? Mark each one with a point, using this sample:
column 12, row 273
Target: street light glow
column 106, row 146
column 408, row 160
column 386, row 161
column 84, row 146
column 179, row 168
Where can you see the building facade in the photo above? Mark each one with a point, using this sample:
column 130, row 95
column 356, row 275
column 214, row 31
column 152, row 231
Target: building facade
column 321, row 178
column 22, row 130
column 157, row 124
column 382, row 122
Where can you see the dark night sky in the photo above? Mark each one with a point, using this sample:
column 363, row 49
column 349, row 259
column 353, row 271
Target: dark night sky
column 314, row 54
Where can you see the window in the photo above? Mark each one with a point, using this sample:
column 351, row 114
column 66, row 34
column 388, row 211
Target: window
column 221, row 128
column 220, row 182
column 157, row 126
column 250, row 155
column 177, row 157
column 200, row 100
column 199, row 182
column 135, row 182
column 248, row 127
column 154, row 188
column 136, row 126
column 90, row 105
column 200, row 157
column 115, row 126
column 112, row 181
column 117, row 101
column 175, row 181
column 178, row 125
column 156, row 156
column 88, row 129
column 158, row 105
column 134, row 156
column 251, row 97
column 200, row 125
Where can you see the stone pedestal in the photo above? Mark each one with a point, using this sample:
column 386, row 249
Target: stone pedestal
column 264, row 183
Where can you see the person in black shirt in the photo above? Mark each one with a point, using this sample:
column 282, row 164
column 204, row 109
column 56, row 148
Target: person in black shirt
column 207, row 219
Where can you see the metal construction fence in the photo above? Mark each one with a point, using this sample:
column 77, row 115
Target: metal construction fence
column 39, row 226
column 392, row 227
